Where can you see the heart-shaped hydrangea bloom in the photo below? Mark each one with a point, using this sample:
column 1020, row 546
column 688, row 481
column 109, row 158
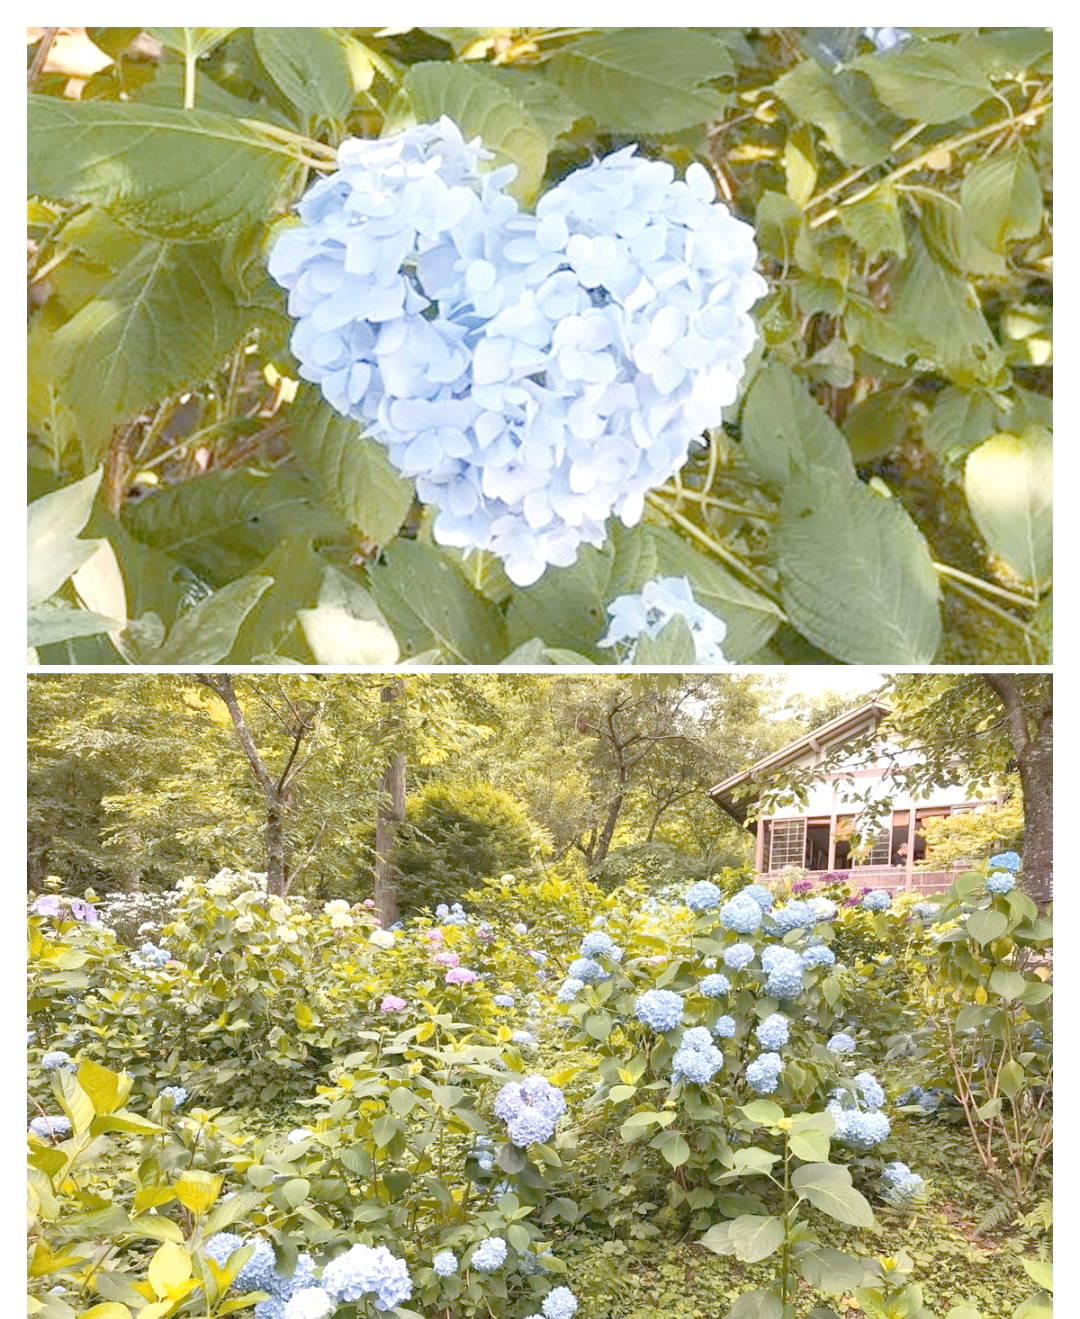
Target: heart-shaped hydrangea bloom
column 534, row 373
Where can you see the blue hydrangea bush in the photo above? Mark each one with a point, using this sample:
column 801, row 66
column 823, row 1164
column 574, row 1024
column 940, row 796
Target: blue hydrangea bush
column 327, row 1121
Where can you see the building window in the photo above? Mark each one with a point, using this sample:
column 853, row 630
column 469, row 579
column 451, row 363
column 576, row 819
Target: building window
column 787, row 843
column 880, row 849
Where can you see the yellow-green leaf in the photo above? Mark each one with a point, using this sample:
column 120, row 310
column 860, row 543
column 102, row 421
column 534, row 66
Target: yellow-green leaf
column 198, row 1190
column 169, row 1268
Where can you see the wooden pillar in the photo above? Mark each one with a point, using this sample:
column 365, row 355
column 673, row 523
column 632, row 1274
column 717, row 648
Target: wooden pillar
column 832, row 829
column 759, row 856
column 909, row 868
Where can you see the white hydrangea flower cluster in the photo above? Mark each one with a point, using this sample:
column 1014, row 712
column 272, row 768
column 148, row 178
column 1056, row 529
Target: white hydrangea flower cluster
column 534, row 373
column 652, row 609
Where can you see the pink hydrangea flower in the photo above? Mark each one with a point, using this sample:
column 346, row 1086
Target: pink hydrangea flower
column 391, row 1003
column 461, row 975
column 369, row 902
column 433, row 936
column 447, row 959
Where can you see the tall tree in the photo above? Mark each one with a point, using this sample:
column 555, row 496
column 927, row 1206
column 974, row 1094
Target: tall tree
column 301, row 723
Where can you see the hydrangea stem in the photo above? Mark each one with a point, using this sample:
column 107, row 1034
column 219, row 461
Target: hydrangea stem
column 719, row 550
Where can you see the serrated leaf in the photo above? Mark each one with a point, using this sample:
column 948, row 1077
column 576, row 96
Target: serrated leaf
column 829, row 1270
column 189, row 175
column 857, row 128
column 310, row 68
column 1040, row 1271
column 786, row 435
column 649, row 80
column 985, row 926
column 156, row 1228
column 481, row 105
column 762, row 1111
column 165, row 320
column 718, row 1239
column 941, row 312
column 169, row 1267
column 930, row 81
column 206, row 633
column 106, row 1090
column 1002, row 199
column 673, row 1148
column 960, row 420
column 755, row 1237
column 856, row 577
column 875, row 223
column 947, row 229
column 828, row 1187
column 198, row 1190
column 1011, row 1078
column 226, row 523
column 73, row 1100
column 757, row 1304
column 346, row 626
column 53, row 548
column 813, row 1146
column 1007, row 984
column 352, row 471
column 1008, row 481
column 426, row 603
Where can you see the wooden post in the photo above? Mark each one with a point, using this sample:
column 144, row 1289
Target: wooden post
column 759, row 856
column 832, row 829
column 909, row 868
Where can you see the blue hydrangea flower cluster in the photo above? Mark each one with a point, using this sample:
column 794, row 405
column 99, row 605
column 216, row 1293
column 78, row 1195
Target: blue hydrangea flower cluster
column 878, row 900
column 774, row 1031
column 587, row 970
column 560, row 1303
column 660, row 1009
column 1006, row 861
column 57, row 1058
column 724, row 1027
column 489, row 1255
column 784, row 968
column 445, row 1263
column 763, row 1074
column 818, row 954
column 454, row 915
column 739, row 956
column 535, row 373
column 531, row 1110
column 364, row 1270
column 902, row 1187
column 740, row 913
column 597, row 944
column 652, row 609
column 793, row 916
column 870, row 1089
column 260, row 1273
column 715, row 985
column 150, row 956
column 925, row 911
column 46, row 1128
column 503, row 1000
column 702, row 896
column 1000, row 882
column 862, row 1128
column 176, row 1093
column 696, row 1058
column 841, row 1042
column 759, row 893
column 569, row 990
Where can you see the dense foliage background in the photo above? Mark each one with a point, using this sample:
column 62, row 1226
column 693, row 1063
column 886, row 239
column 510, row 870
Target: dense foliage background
column 880, row 492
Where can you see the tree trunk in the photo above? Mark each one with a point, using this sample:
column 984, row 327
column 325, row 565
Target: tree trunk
column 131, row 879
column 1036, row 765
column 275, row 849
column 389, row 816
column 1035, row 761
column 608, row 830
column 37, row 862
